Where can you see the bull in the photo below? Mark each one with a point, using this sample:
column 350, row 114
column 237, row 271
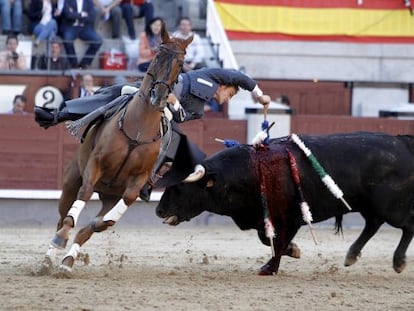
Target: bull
column 375, row 171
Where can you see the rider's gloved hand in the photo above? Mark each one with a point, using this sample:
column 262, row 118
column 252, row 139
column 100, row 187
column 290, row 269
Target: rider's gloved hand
column 176, row 109
column 258, row 96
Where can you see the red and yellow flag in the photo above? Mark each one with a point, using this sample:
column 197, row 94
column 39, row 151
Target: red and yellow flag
column 329, row 20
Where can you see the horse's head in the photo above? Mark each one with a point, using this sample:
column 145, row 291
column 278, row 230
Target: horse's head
column 165, row 67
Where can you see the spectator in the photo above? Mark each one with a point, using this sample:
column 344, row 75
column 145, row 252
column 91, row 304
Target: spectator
column 11, row 16
column 135, row 9
column 149, row 42
column 42, row 22
column 19, row 105
column 11, row 59
column 55, row 61
column 194, row 58
column 58, row 15
column 110, row 10
column 78, row 22
column 87, row 86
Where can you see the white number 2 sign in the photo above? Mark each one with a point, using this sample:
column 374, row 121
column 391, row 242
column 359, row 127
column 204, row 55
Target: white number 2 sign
column 48, row 97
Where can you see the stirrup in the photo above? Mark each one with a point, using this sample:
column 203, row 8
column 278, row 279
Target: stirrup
column 145, row 192
column 165, row 167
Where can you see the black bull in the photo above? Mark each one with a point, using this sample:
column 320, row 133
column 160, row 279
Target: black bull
column 375, row 172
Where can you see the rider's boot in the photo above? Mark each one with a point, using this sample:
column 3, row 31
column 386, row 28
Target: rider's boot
column 47, row 117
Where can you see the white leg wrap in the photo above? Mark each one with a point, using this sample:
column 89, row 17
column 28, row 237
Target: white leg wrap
column 74, row 250
column 116, row 212
column 75, row 210
column 51, row 251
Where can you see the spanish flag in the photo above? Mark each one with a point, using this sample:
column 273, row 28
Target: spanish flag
column 388, row 21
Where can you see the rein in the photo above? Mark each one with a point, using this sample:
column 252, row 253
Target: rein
column 132, row 143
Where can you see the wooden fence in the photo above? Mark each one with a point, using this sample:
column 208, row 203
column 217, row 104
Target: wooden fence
column 313, row 124
column 34, row 158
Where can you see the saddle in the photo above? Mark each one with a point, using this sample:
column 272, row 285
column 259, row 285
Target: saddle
column 97, row 116
column 102, row 113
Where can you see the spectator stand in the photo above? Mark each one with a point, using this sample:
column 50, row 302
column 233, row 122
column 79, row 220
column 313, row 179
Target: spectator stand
column 196, row 10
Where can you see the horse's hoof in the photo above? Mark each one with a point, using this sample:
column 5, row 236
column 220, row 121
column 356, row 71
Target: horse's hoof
column 351, row 259
column 68, row 262
column 264, row 273
column 267, row 269
column 64, row 272
column 59, row 242
column 399, row 267
column 64, row 268
column 43, row 268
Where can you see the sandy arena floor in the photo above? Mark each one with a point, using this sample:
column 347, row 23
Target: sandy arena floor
column 204, row 268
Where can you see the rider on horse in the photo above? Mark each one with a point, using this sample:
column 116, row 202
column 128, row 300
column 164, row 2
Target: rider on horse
column 186, row 102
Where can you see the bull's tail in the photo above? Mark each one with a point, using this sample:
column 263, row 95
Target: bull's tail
column 408, row 140
column 338, row 225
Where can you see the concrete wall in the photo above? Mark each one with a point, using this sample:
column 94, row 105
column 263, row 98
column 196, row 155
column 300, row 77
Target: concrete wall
column 326, row 61
column 25, row 212
column 44, row 212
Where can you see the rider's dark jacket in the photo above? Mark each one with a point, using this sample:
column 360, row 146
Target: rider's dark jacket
column 199, row 86
column 193, row 89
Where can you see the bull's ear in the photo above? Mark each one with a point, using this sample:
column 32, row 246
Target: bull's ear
column 210, row 183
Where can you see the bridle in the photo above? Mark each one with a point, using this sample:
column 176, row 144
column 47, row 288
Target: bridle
column 156, row 81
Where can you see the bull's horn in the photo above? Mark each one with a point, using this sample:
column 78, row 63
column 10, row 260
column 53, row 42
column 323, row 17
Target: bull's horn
column 198, row 173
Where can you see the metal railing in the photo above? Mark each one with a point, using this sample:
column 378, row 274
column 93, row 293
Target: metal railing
column 33, row 54
column 217, row 36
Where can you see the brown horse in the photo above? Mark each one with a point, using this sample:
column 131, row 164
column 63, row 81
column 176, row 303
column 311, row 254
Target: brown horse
column 117, row 156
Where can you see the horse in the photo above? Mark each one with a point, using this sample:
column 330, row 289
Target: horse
column 117, row 156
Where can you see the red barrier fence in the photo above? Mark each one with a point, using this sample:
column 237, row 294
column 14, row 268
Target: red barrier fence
column 34, row 158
